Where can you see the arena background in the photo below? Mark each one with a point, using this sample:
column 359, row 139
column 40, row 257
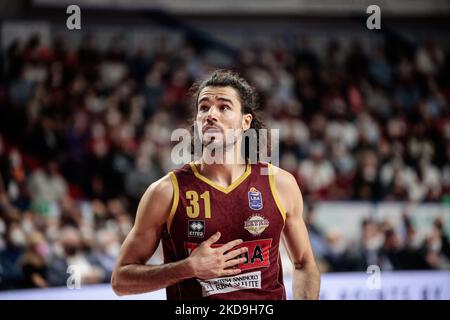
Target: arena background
column 86, row 117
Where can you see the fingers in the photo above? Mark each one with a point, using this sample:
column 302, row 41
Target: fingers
column 230, row 245
column 234, row 253
column 212, row 239
column 231, row 272
column 234, row 262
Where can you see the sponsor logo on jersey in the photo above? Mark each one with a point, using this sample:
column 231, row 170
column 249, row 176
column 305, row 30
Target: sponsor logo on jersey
column 256, row 224
column 255, row 199
column 251, row 280
column 257, row 256
column 196, row 228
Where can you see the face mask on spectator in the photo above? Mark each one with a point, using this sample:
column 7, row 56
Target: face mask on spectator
column 13, row 190
column 18, row 238
column 113, row 249
column 374, row 243
column 338, row 247
column 436, row 245
column 27, row 226
column 57, row 249
column 15, row 159
column 125, row 228
column 70, row 250
column 52, row 233
column 2, row 227
column 345, row 164
column 43, row 249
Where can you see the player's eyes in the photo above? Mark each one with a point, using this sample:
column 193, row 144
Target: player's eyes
column 224, row 107
column 203, row 108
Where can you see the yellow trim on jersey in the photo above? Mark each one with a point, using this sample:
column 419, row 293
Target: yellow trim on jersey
column 228, row 189
column 176, row 197
column 273, row 188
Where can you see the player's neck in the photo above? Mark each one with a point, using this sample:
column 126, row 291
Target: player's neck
column 223, row 174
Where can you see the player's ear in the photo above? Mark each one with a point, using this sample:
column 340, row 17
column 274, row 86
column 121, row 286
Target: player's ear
column 246, row 121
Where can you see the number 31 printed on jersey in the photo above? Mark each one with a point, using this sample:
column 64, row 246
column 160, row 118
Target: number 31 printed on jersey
column 193, row 210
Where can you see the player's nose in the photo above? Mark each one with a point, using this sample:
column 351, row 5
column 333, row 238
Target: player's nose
column 212, row 114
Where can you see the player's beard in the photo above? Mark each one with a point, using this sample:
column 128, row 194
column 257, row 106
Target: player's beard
column 219, row 148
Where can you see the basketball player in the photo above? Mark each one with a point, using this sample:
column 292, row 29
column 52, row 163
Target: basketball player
column 220, row 223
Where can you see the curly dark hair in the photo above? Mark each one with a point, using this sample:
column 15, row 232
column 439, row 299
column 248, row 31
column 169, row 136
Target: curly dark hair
column 249, row 100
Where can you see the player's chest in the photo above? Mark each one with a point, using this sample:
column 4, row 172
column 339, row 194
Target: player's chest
column 249, row 214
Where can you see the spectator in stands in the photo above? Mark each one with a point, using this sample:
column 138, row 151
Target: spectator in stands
column 85, row 265
column 317, row 172
column 437, row 247
column 47, row 185
column 371, row 244
column 11, row 274
column 319, row 244
column 355, row 124
column 33, row 261
column 108, row 247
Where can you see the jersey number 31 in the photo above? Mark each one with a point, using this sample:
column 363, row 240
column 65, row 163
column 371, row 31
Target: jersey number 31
column 193, row 210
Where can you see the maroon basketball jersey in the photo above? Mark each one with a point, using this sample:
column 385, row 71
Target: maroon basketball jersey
column 248, row 209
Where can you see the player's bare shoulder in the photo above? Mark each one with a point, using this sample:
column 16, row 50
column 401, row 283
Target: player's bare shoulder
column 285, row 180
column 156, row 201
column 287, row 188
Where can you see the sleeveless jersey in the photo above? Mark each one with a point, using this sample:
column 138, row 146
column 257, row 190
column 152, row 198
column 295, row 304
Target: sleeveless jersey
column 248, row 209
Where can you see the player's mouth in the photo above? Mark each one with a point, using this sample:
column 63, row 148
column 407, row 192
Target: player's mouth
column 210, row 129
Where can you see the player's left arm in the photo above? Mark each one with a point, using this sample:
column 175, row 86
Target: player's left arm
column 306, row 275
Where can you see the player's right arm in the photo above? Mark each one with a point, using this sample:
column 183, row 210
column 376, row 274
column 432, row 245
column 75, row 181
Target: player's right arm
column 132, row 275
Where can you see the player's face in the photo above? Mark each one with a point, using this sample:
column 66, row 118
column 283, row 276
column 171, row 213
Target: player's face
column 218, row 112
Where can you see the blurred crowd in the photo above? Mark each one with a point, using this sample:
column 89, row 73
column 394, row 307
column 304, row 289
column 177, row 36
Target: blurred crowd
column 381, row 243
column 84, row 131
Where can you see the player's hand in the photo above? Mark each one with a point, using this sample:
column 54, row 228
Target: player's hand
column 208, row 262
